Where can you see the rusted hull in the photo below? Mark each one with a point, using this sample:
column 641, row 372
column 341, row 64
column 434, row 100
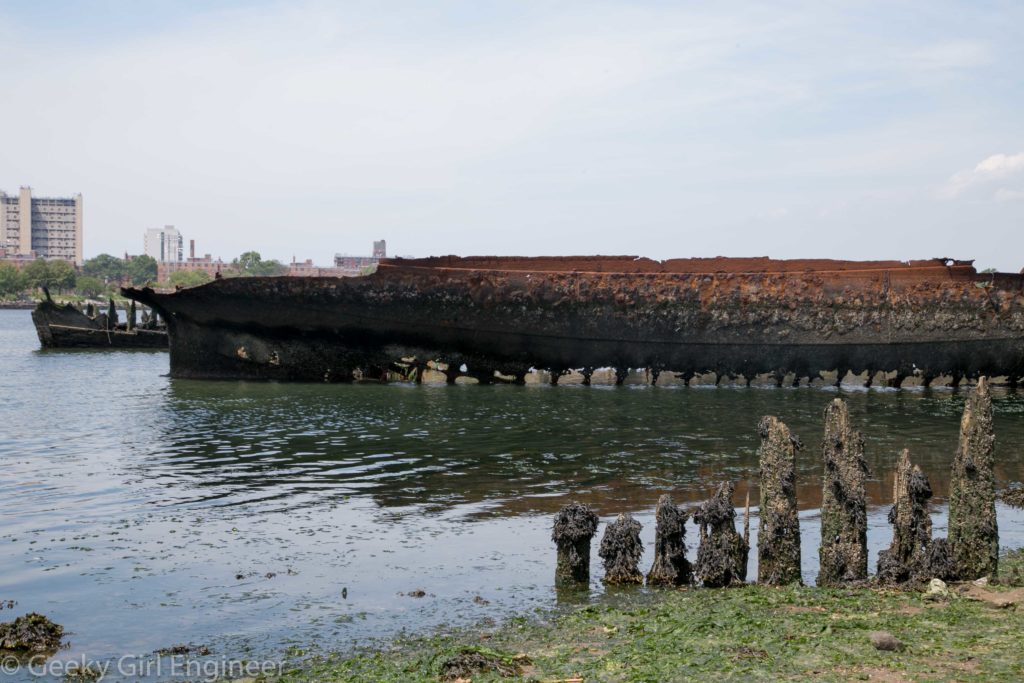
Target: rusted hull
column 928, row 318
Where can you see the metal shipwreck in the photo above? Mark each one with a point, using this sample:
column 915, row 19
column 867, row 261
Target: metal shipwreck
column 63, row 326
column 738, row 316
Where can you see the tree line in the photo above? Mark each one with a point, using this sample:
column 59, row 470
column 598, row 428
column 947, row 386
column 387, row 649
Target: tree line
column 104, row 274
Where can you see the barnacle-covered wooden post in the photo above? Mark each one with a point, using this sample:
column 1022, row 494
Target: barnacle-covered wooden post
column 778, row 539
column 575, row 526
column 913, row 554
column 722, row 554
column 973, row 533
column 621, row 550
column 844, row 527
column 670, row 568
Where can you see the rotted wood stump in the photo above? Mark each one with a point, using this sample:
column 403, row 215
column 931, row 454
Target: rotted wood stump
column 973, row 532
column 722, row 554
column 778, row 540
column 670, row 567
column 621, row 550
column 574, row 528
column 913, row 555
column 843, row 556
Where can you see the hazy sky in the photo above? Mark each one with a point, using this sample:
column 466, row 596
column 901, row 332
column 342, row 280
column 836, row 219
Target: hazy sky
column 665, row 129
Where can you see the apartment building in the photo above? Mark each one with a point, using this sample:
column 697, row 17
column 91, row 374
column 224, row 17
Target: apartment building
column 164, row 244
column 49, row 226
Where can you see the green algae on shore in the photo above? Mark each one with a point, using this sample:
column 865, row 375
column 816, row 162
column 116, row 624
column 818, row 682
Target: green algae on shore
column 750, row 633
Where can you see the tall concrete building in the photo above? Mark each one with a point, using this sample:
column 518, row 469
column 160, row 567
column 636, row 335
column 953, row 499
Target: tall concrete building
column 49, row 227
column 165, row 244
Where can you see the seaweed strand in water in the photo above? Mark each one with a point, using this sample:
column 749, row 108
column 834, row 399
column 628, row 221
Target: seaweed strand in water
column 621, row 550
column 575, row 526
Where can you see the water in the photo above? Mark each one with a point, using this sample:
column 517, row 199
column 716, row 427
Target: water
column 141, row 512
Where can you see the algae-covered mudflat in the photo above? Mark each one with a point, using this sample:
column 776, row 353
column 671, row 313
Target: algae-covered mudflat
column 749, row 633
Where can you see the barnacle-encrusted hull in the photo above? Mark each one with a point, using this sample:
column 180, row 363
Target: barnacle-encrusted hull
column 732, row 316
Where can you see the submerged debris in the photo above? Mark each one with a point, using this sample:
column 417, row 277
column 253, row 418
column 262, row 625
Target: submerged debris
column 31, row 633
column 778, row 540
column 913, row 555
column 973, row 533
column 670, row 568
column 575, row 526
column 844, row 526
column 621, row 550
column 198, row 650
column 722, row 553
column 473, row 661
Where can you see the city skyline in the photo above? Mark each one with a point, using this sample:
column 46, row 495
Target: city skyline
column 804, row 130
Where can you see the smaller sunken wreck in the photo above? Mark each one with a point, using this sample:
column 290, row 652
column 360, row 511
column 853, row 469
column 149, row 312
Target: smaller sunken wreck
column 63, row 326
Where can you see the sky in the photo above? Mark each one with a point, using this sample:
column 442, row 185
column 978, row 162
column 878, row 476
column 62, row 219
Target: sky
column 663, row 129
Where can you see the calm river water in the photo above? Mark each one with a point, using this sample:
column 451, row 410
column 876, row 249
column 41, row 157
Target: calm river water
column 141, row 512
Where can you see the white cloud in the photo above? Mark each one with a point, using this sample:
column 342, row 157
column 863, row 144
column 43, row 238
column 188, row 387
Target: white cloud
column 987, row 171
column 1001, row 165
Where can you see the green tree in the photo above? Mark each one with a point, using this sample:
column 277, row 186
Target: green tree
column 141, row 269
column 251, row 263
column 56, row 275
column 105, row 267
column 248, row 261
column 62, row 275
column 188, row 278
column 90, row 286
column 272, row 267
column 11, row 280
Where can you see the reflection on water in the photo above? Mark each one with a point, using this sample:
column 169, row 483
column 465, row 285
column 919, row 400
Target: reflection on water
column 141, row 511
column 523, row 450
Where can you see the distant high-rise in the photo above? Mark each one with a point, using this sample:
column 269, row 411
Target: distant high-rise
column 164, row 244
column 49, row 227
column 380, row 249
